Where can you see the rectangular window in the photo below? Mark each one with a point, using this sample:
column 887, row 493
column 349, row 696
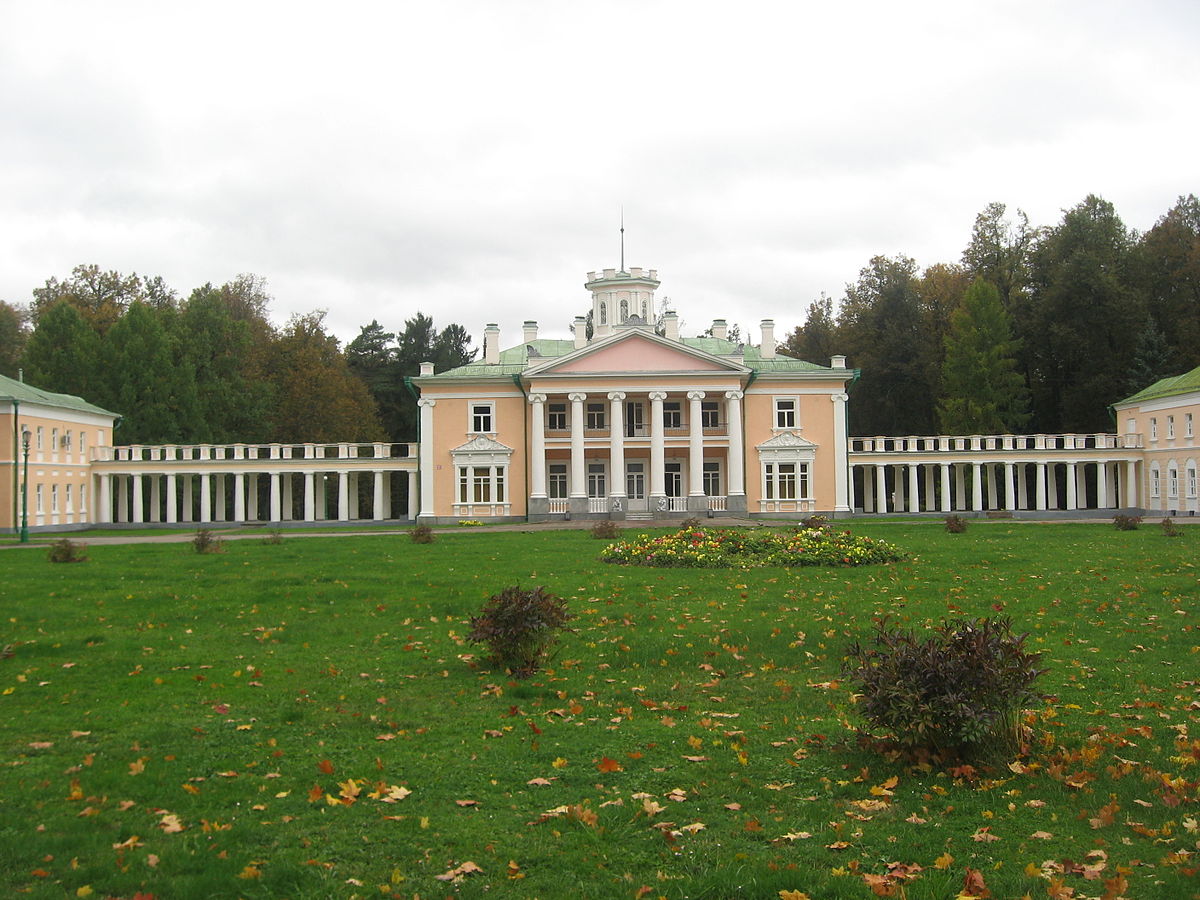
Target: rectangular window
column 1154, row 487
column 40, row 437
column 40, row 506
column 673, row 414
column 1153, row 429
column 595, row 416
column 83, row 497
column 597, row 482
column 634, row 423
column 1130, row 426
column 712, row 479
column 1170, row 428
column 1191, row 481
column 481, row 482
column 70, row 508
column 67, row 441
column 54, row 498
column 1187, row 425
column 53, row 440
column 710, row 414
column 673, row 476
column 464, row 484
column 556, row 416
column 787, row 481
column 83, row 443
column 557, row 482
column 785, row 412
column 1172, row 482
column 481, row 418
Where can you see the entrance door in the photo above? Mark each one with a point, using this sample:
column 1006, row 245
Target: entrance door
column 635, row 486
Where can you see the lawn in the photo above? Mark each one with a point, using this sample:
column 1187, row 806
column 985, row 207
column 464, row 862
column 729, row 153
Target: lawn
column 306, row 719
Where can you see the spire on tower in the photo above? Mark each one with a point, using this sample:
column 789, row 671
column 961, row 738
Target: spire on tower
column 622, row 238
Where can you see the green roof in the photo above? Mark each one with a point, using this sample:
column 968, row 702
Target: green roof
column 516, row 360
column 1167, row 387
column 27, row 393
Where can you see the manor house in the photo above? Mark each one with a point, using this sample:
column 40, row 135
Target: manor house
column 628, row 419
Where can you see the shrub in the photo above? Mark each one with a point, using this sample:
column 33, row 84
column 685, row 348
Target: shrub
column 67, row 551
column 520, row 626
column 421, row 534
column 814, row 522
column 1169, row 529
column 206, row 542
column 605, row 529
column 958, row 691
column 956, row 524
column 691, row 523
column 1126, row 523
column 275, row 536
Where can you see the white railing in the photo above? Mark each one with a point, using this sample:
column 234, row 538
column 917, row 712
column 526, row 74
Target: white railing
column 996, row 442
column 193, row 452
column 718, row 504
column 559, row 505
column 597, row 504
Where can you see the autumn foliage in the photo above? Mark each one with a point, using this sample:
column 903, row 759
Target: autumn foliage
column 956, row 692
column 520, row 627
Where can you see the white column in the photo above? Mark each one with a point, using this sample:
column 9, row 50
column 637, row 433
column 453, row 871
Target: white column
column 172, row 500
column 695, row 445
column 205, row 498
column 578, row 479
column 137, row 498
column 1131, row 497
column 616, row 444
column 239, row 497
column 104, row 512
column 1072, row 487
column 914, row 489
column 658, row 484
column 881, row 504
column 841, row 460
column 976, row 487
column 426, row 499
column 275, row 498
column 1081, row 496
column 1102, row 485
column 537, row 466
column 310, row 501
column 737, row 466
column 946, row 497
column 377, row 496
column 343, row 496
column 1041, row 486
column 412, row 495
column 1010, row 487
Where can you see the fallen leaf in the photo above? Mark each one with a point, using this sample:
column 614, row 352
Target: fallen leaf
column 608, row 765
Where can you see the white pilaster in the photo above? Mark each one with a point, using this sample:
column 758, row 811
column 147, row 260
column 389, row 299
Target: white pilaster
column 155, row 498
column 412, row 496
column 185, row 514
column 288, row 507
column 219, row 497
column 537, row 426
column 616, row 444
column 1102, row 484
column 695, row 445
column 841, row 470
column 426, row 499
column 1041, row 486
column 658, row 485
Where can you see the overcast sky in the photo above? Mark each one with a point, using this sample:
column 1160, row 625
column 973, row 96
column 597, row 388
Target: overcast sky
column 470, row 159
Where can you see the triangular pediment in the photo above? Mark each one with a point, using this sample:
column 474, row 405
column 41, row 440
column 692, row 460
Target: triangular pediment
column 636, row 352
column 787, row 440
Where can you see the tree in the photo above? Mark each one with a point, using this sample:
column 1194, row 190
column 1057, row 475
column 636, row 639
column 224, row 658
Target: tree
column 983, row 391
column 63, row 352
column 816, row 340
column 1168, row 273
column 1150, row 359
column 100, row 297
column 999, row 251
column 13, row 335
column 941, row 290
column 880, row 327
column 1084, row 312
column 317, row 398
column 420, row 342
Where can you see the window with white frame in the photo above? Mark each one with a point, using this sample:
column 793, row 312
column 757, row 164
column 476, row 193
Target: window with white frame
column 40, row 505
column 786, row 481
column 1153, row 428
column 1187, row 425
column 597, row 480
column 556, row 416
column 70, row 507
column 786, row 412
column 556, row 482
column 710, row 414
column 83, row 443
column 673, row 479
column 53, row 440
column 595, row 416
column 1130, row 426
column 1154, row 482
column 480, row 484
column 483, row 417
column 672, row 414
column 83, row 497
column 40, row 438
column 481, row 465
column 603, row 313
column 712, row 479
column 54, row 498
column 67, row 441
column 1191, row 481
column 1170, row 428
column 1172, row 482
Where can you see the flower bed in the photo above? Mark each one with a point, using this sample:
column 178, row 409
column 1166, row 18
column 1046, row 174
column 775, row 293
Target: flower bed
column 744, row 548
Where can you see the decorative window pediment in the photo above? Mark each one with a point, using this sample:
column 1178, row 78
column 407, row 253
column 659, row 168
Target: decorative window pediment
column 482, row 450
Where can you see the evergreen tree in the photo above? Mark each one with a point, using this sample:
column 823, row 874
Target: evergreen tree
column 1151, row 359
column 13, row 335
column 1168, row 272
column 63, row 354
column 983, row 392
column 815, row 340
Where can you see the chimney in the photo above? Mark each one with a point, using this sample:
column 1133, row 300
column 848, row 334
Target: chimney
column 720, row 330
column 671, row 326
column 837, row 362
column 530, row 331
column 491, row 344
column 767, row 349
column 580, row 331
column 426, row 368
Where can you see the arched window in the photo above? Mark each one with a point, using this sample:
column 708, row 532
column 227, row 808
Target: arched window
column 603, row 313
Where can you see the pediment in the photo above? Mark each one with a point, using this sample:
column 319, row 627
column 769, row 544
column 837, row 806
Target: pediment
column 637, row 352
column 481, row 443
column 787, row 440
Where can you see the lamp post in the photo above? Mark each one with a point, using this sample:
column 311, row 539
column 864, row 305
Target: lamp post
column 25, row 435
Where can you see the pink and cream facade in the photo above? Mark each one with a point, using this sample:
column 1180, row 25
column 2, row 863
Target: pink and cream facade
column 632, row 424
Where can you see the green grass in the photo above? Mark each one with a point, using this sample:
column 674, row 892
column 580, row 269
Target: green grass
column 237, row 693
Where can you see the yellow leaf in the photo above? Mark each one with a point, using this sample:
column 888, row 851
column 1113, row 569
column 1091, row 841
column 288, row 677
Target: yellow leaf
column 943, row 861
column 559, row 763
column 793, row 895
column 85, row 891
column 250, row 872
